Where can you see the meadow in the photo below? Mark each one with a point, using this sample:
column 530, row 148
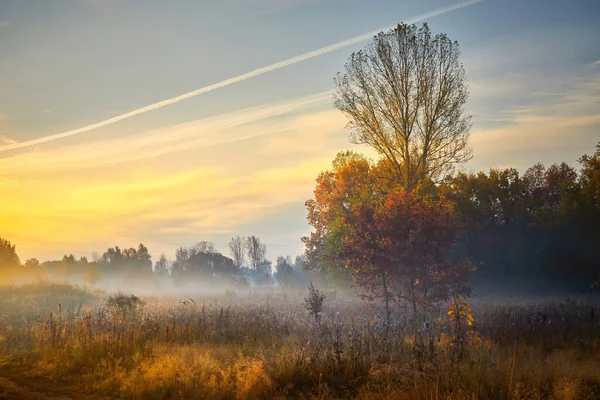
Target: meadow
column 63, row 341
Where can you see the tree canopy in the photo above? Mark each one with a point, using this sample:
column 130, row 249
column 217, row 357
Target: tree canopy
column 404, row 95
column 8, row 255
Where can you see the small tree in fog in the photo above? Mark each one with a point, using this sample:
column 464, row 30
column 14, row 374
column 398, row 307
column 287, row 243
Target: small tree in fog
column 314, row 301
column 262, row 274
column 300, row 262
column 161, row 267
column 284, row 270
column 32, row 263
column 91, row 275
column 125, row 306
column 178, row 267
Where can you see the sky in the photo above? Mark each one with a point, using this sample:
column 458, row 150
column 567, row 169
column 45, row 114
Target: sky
column 242, row 158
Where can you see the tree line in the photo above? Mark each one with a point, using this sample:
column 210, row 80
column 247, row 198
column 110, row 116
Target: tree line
column 246, row 265
column 540, row 227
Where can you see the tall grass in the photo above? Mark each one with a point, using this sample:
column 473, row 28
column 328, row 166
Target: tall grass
column 268, row 346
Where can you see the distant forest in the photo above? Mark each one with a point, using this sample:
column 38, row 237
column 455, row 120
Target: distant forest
column 132, row 267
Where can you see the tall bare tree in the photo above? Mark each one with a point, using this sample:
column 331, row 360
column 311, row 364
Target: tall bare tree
column 236, row 249
column 404, row 95
column 204, row 247
column 256, row 251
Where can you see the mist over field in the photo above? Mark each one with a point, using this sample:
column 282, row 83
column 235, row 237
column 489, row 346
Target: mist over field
column 303, row 199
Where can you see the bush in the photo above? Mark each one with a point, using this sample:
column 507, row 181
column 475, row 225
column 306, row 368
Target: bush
column 125, row 306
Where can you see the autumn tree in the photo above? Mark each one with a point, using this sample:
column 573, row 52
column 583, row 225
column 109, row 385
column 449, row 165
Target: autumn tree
column 404, row 246
column 349, row 181
column 404, row 95
column 590, row 180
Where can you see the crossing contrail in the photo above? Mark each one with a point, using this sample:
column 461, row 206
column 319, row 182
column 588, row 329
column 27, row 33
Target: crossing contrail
column 257, row 72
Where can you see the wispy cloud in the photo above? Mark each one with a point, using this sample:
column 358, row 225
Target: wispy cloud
column 6, row 141
column 559, row 129
column 261, row 71
column 205, row 192
column 216, row 130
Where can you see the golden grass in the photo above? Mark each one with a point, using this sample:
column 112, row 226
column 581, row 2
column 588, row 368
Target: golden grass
column 266, row 346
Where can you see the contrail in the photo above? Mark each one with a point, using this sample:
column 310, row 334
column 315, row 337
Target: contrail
column 239, row 78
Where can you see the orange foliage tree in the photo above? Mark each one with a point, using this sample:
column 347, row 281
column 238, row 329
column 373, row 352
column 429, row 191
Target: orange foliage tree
column 350, row 181
column 405, row 246
column 393, row 244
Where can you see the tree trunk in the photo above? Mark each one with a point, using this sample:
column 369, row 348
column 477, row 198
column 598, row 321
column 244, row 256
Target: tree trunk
column 412, row 296
column 387, row 299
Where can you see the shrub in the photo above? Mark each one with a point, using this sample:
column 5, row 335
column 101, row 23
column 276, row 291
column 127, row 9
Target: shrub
column 125, row 306
column 314, row 302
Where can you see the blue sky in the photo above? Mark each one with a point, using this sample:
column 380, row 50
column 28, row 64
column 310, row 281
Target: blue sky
column 243, row 159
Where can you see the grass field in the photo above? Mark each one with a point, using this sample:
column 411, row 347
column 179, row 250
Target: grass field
column 60, row 340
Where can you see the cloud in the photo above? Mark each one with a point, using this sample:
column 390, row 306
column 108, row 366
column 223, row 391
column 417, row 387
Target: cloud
column 4, row 24
column 240, row 78
column 197, row 201
column 212, row 131
column 168, row 186
column 6, row 141
column 561, row 127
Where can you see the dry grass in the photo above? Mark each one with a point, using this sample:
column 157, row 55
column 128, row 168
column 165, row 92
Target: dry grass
column 267, row 346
